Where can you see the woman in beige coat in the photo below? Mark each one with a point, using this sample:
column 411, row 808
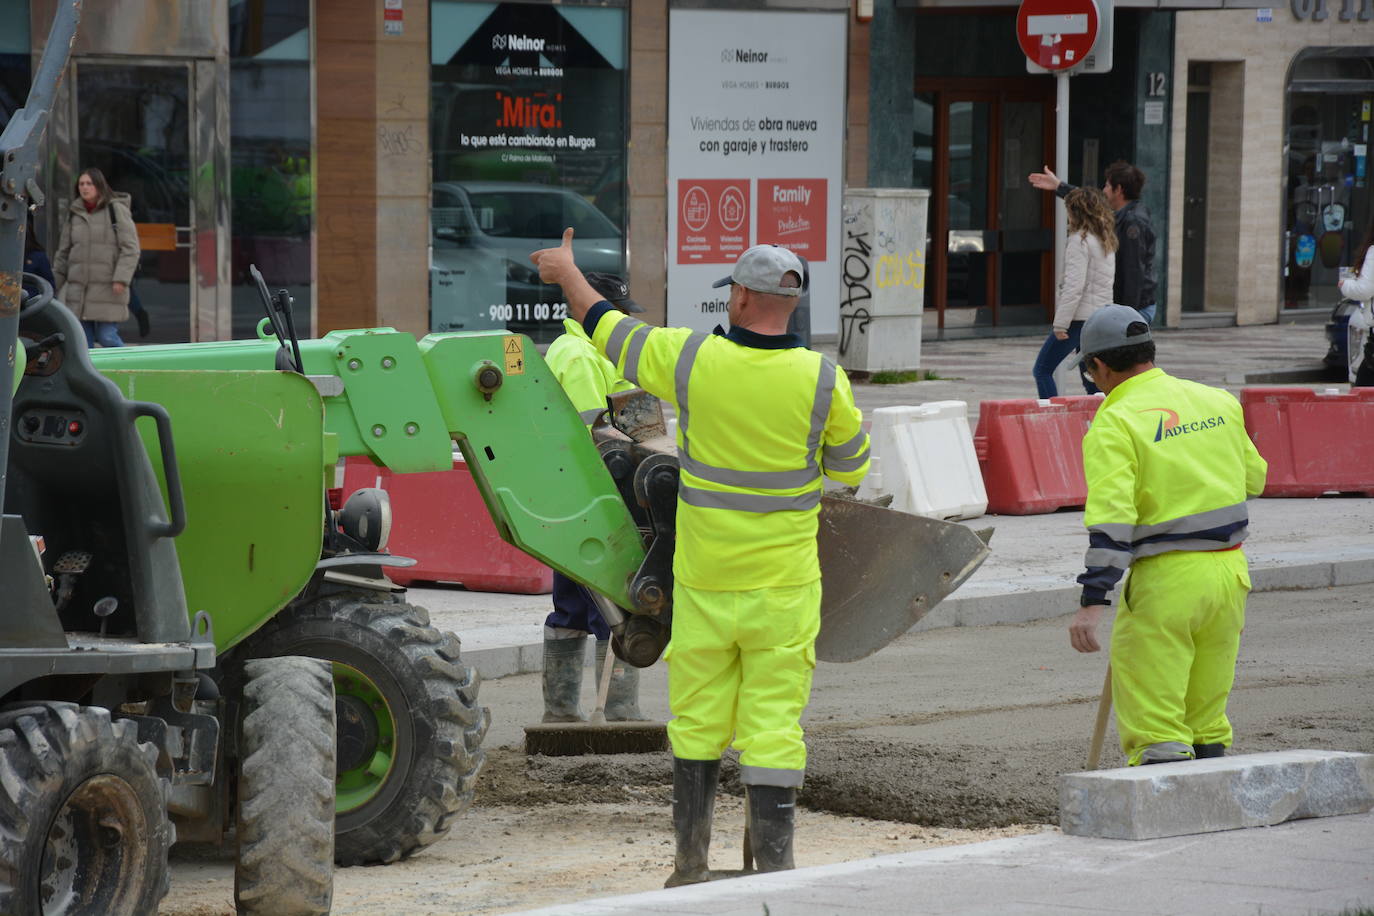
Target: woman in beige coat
column 96, row 258
column 1089, row 269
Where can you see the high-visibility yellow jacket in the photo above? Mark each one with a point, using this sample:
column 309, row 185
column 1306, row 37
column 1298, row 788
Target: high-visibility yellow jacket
column 585, row 374
column 760, row 419
column 1169, row 467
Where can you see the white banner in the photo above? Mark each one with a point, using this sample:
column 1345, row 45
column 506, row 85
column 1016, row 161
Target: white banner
column 756, row 119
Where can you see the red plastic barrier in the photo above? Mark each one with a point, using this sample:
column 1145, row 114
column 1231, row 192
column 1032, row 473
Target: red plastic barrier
column 1031, row 453
column 1314, row 442
column 439, row 519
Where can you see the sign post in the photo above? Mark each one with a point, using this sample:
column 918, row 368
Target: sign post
column 1058, row 36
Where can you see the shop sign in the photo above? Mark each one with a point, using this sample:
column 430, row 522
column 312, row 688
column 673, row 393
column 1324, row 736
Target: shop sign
column 528, row 137
column 756, row 120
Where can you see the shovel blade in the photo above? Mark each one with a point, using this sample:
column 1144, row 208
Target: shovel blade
column 883, row 570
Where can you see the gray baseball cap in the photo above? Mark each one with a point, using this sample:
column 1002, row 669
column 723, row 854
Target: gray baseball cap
column 762, row 268
column 1105, row 329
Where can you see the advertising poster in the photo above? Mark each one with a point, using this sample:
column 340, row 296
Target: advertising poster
column 756, row 109
column 528, row 137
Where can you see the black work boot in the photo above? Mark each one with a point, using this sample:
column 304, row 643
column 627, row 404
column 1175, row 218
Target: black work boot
column 694, row 800
column 563, row 660
column 622, row 700
column 771, row 810
column 1208, row 750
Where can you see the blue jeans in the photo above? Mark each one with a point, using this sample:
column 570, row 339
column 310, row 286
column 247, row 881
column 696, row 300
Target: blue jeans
column 1052, row 353
column 105, row 333
column 573, row 609
column 1148, row 313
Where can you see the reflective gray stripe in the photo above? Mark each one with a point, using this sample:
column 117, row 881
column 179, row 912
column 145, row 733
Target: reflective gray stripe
column 682, row 373
column 619, row 334
column 1122, row 534
column 771, row 776
column 1198, row 521
column 632, row 355
column 843, row 464
column 847, row 448
column 820, row 407
column 748, row 502
column 1103, row 556
column 1197, row 545
column 764, row 480
column 1164, row 750
column 589, row 416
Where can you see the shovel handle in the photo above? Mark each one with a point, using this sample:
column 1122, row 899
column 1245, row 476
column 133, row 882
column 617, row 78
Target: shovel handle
column 603, row 690
column 1104, row 706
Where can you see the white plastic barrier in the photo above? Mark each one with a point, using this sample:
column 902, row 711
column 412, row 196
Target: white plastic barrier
column 924, row 457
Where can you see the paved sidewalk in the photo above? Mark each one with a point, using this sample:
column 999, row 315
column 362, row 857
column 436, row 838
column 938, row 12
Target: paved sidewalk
column 1302, row 868
column 1294, row 543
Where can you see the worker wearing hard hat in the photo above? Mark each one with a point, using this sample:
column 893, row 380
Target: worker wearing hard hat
column 760, row 420
column 587, row 377
column 1169, row 467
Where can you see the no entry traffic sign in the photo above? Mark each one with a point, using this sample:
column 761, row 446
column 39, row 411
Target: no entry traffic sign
column 1057, row 34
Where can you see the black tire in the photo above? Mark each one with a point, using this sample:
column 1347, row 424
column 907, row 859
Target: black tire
column 83, row 814
column 285, row 863
column 430, row 695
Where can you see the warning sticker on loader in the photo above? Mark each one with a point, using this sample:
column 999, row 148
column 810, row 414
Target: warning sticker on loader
column 515, row 355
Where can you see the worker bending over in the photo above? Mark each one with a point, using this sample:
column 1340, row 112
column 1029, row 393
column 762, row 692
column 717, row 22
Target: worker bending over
column 760, row 419
column 1169, row 467
column 587, row 377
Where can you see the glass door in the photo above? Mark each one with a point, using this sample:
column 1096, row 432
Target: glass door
column 133, row 122
column 991, row 250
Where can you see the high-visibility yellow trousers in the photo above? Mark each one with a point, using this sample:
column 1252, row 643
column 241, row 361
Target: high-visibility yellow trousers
column 1174, row 646
column 740, row 666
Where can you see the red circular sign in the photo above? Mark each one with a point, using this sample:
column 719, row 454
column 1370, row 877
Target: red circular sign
column 1057, row 34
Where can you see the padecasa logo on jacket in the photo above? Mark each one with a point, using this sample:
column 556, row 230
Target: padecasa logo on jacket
column 1170, row 425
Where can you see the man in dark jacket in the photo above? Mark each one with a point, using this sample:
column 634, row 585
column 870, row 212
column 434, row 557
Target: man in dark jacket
column 1135, row 255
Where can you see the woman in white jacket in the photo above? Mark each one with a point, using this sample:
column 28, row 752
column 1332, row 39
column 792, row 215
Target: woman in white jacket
column 1360, row 287
column 1089, row 269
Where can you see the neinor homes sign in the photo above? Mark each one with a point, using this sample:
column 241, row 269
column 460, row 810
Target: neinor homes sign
column 755, row 151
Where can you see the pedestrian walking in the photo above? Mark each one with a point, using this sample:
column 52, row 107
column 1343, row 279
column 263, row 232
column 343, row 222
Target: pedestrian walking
column 1359, row 285
column 1089, row 269
column 1169, row 467
column 96, row 258
column 760, row 420
column 1134, row 283
column 587, row 377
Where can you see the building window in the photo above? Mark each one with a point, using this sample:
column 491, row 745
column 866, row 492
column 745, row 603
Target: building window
column 1327, row 204
column 528, row 137
column 271, row 164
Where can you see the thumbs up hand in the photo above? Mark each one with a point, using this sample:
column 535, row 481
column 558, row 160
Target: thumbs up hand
column 556, row 264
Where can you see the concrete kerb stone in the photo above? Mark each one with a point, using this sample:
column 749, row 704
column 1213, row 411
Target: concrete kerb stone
column 1204, row 796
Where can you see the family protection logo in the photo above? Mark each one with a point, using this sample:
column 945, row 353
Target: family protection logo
column 1170, row 425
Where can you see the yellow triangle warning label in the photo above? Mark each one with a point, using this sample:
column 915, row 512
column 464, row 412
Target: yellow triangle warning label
column 515, row 355
column 514, row 345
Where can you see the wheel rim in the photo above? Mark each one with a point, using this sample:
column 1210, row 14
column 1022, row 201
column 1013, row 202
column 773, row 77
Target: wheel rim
column 366, row 738
column 95, row 853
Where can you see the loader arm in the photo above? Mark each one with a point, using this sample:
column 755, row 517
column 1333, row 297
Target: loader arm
column 404, row 404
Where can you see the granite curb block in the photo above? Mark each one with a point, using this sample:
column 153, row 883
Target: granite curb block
column 1225, row 793
column 1004, row 608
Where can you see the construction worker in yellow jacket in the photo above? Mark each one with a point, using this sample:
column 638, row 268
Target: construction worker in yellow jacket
column 587, row 377
column 1169, row 467
column 760, row 420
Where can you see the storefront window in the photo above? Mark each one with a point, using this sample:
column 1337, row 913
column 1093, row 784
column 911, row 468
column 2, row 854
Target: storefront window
column 14, row 58
column 528, row 137
column 270, row 174
column 1328, row 201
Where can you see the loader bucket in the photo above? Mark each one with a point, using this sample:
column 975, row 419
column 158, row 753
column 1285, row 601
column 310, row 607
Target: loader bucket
column 883, row 570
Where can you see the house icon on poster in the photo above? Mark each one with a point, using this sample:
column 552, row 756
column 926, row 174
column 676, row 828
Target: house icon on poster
column 732, row 209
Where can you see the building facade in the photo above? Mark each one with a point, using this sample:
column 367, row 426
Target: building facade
column 391, row 161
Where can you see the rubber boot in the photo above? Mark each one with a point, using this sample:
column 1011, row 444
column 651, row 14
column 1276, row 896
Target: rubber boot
column 1201, row 751
column 563, row 660
column 622, row 700
column 694, row 800
column 771, row 810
